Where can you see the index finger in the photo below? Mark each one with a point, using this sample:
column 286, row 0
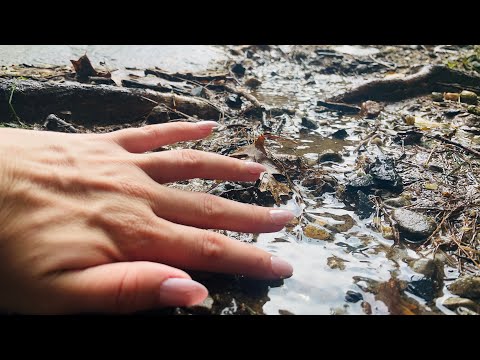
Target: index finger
column 150, row 137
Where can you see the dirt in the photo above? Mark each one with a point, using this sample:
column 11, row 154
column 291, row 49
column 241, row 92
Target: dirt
column 342, row 169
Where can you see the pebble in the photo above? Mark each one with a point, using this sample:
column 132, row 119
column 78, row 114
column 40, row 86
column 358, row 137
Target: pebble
column 468, row 97
column 455, row 302
column 353, row 296
column 253, row 82
column 466, row 286
column 309, row 124
column 415, row 226
column 330, row 155
column 423, row 266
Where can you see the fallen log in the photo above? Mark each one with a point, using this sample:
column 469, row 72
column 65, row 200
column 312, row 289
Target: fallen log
column 429, row 79
column 33, row 101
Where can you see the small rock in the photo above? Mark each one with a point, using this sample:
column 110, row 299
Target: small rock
column 340, row 134
column 317, row 232
column 330, row 155
column 198, row 91
column 253, row 82
column 371, row 109
column 204, row 307
column 309, row 124
column 468, row 97
column 475, row 110
column 384, row 174
column 425, row 288
column 397, row 202
column 455, row 302
column 334, row 262
column 437, row 97
column 452, row 113
column 376, row 141
column 353, row 296
column 414, row 226
column 451, row 96
column 467, row 286
column 364, row 205
column 424, row 266
column 238, row 69
column 363, row 182
column 234, row 101
column 158, row 115
column 410, row 120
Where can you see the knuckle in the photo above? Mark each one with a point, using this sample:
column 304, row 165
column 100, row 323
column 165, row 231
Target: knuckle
column 126, row 298
column 210, row 206
column 212, row 246
column 189, row 158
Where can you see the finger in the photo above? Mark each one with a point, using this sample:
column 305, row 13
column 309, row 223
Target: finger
column 198, row 249
column 174, row 165
column 127, row 287
column 213, row 212
column 150, row 137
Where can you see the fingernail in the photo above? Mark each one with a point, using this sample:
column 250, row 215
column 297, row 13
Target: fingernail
column 281, row 268
column 281, row 217
column 181, row 292
column 207, row 125
column 254, row 167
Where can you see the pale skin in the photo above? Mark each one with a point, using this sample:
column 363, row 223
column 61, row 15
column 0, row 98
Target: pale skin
column 86, row 224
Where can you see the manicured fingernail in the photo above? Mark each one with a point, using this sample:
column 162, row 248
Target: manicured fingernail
column 207, row 125
column 281, row 217
column 281, row 268
column 254, row 167
column 181, row 292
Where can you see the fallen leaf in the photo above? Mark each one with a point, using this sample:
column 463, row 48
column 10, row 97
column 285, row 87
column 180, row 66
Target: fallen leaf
column 431, row 186
column 83, row 68
column 256, row 152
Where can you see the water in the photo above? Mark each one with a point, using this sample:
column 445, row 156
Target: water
column 168, row 57
column 323, row 270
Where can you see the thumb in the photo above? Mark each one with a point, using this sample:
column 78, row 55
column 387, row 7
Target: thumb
column 127, row 287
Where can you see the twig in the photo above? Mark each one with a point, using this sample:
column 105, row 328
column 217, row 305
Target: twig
column 390, row 66
column 369, row 136
column 451, row 142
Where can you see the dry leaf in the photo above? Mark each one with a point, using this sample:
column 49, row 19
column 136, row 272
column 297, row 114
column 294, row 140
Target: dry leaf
column 83, row 68
column 256, row 152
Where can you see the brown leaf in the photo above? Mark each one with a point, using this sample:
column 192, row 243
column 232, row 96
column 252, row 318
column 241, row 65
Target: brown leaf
column 256, row 152
column 83, row 67
column 391, row 294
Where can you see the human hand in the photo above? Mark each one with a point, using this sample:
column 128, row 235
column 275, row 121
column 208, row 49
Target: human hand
column 85, row 225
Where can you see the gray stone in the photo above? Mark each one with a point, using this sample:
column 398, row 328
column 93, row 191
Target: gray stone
column 363, row 182
column 456, row 302
column 204, row 307
column 414, row 226
column 397, row 202
column 309, row 124
column 425, row 267
column 330, row 155
column 467, row 286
